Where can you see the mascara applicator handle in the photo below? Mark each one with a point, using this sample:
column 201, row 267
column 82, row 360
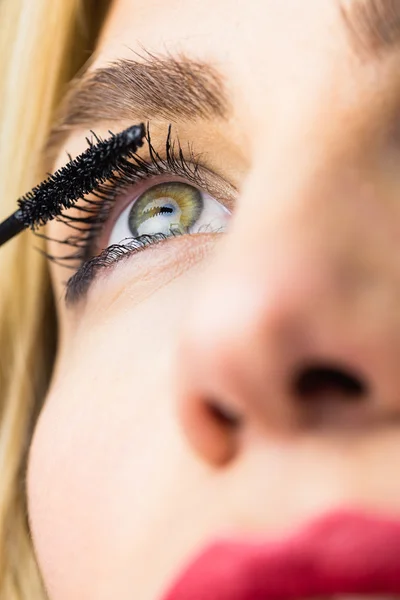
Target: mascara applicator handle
column 11, row 227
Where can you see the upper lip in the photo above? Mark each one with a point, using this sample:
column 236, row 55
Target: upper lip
column 346, row 552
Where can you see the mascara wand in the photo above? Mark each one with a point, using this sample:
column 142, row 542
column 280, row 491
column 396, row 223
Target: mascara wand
column 70, row 183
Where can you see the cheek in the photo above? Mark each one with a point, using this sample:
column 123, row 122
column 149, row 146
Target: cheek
column 106, row 448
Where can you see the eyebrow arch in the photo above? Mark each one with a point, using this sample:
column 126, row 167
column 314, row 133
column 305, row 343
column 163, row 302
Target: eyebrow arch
column 373, row 25
column 155, row 87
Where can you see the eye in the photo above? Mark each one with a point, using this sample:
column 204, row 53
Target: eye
column 169, row 207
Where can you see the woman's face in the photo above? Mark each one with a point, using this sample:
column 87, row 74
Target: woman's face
column 243, row 380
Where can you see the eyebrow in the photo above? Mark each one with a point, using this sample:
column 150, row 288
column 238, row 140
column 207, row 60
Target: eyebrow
column 373, row 25
column 156, row 87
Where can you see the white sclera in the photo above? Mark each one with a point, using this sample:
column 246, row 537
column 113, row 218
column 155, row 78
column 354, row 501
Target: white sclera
column 214, row 217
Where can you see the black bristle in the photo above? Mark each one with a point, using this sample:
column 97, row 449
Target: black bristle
column 78, row 178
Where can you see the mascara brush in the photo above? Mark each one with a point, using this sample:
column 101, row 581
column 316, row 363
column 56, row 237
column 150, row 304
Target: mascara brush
column 70, row 183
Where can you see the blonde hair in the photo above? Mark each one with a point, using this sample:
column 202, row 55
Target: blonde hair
column 43, row 43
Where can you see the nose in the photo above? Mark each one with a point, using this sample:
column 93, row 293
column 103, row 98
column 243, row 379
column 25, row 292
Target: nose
column 294, row 327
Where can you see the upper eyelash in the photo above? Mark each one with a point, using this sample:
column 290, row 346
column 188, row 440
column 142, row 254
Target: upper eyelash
column 95, row 211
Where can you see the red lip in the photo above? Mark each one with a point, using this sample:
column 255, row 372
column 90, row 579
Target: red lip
column 345, row 553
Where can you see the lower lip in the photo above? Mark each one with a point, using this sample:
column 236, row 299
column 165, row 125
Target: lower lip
column 344, row 554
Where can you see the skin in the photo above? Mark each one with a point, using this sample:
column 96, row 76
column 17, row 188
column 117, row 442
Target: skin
column 129, row 475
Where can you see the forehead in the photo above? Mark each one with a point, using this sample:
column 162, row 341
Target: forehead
column 374, row 24
column 263, row 48
column 224, row 29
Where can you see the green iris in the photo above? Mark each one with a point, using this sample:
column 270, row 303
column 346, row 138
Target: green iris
column 165, row 207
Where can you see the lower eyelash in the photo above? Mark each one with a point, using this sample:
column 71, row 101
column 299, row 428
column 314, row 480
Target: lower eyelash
column 94, row 212
column 79, row 283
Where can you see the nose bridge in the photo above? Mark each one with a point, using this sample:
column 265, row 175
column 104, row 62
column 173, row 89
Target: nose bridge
column 325, row 181
column 310, row 259
column 304, row 289
column 313, row 212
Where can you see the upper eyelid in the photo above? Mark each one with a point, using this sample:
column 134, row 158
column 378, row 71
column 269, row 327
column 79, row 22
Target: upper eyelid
column 217, row 181
column 218, row 186
column 214, row 181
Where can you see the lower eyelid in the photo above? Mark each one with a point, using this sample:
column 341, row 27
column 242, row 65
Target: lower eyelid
column 80, row 283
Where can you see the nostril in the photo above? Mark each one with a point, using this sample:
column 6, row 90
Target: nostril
column 226, row 417
column 317, row 382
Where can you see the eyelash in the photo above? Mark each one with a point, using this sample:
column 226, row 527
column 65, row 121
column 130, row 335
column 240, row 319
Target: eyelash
column 96, row 211
column 81, row 280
